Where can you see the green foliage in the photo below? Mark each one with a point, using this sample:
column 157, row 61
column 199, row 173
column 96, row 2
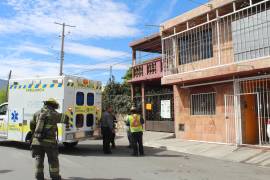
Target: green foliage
column 118, row 96
column 2, row 96
column 127, row 76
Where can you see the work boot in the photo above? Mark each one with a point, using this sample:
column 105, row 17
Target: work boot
column 58, row 178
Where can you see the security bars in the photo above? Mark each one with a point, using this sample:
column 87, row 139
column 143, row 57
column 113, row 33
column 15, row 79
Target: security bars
column 242, row 33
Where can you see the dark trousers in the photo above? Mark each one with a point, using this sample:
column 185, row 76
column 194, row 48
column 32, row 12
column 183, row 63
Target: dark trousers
column 113, row 139
column 107, row 136
column 38, row 152
column 129, row 138
column 137, row 140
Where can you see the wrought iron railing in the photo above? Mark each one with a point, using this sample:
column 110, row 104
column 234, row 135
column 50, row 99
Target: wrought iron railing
column 147, row 70
column 235, row 33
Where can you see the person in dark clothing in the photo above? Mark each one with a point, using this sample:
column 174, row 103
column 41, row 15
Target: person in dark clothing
column 128, row 133
column 114, row 133
column 135, row 122
column 107, row 129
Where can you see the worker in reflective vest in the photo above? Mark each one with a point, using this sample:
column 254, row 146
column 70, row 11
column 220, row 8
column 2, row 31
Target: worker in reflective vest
column 135, row 122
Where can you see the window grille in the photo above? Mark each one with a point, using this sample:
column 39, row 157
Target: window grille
column 203, row 104
column 199, row 47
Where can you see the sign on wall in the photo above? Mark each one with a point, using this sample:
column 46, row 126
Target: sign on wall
column 149, row 107
column 165, row 109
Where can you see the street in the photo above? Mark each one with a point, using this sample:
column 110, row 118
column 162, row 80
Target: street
column 87, row 162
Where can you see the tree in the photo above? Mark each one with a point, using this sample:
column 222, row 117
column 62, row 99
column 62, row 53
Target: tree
column 127, row 76
column 118, row 95
column 2, row 96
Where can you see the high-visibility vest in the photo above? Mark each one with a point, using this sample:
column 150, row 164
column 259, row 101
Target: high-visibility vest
column 135, row 123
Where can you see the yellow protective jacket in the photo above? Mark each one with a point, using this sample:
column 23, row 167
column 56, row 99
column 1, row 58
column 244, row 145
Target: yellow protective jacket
column 135, row 122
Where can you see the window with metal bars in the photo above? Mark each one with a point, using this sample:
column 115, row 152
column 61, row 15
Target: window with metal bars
column 195, row 46
column 203, row 104
column 250, row 33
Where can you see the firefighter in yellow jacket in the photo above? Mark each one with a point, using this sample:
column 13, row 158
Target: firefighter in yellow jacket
column 44, row 130
column 135, row 123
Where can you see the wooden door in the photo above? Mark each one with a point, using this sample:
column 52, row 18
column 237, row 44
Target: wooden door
column 250, row 120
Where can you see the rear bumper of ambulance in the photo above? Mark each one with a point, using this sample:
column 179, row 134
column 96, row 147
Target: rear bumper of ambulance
column 78, row 136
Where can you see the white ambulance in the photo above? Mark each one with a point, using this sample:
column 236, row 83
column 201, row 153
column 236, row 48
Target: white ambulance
column 79, row 98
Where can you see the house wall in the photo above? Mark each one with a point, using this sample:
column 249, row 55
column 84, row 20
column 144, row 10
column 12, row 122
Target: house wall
column 201, row 127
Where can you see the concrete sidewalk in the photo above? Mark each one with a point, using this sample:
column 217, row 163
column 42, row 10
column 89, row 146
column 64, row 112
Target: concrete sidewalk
column 259, row 157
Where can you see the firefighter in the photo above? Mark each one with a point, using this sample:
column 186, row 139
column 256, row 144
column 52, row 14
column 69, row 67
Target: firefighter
column 44, row 130
column 135, row 122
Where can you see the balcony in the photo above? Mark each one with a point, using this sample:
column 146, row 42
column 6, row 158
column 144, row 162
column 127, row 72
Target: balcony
column 237, row 42
column 149, row 70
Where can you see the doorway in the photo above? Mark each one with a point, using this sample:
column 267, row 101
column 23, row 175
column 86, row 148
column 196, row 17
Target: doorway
column 250, row 120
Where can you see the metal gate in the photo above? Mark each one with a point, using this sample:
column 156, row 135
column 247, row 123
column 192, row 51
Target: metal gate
column 155, row 100
column 261, row 87
column 230, row 118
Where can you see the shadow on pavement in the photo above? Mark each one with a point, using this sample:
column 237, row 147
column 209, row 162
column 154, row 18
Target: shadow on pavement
column 78, row 178
column 13, row 144
column 94, row 148
column 120, row 151
column 5, row 171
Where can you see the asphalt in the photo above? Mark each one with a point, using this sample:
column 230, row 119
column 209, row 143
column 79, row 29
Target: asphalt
column 87, row 162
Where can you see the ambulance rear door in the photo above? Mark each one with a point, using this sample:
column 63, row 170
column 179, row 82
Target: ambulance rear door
column 84, row 112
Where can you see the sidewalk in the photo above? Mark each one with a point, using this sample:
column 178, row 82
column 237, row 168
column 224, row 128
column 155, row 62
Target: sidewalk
column 259, row 157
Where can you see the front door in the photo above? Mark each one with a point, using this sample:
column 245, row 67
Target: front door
column 15, row 124
column 250, row 125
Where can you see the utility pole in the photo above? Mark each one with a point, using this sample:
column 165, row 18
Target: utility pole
column 110, row 72
column 9, row 76
column 62, row 45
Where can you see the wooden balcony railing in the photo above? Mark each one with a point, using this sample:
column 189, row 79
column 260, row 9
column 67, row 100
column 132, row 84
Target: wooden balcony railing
column 148, row 70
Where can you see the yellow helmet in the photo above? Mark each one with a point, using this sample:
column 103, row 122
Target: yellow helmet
column 52, row 101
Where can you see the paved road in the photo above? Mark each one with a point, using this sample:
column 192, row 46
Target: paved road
column 86, row 162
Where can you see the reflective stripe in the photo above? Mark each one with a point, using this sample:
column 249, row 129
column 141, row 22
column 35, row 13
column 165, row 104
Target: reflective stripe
column 49, row 140
column 54, row 170
column 48, row 126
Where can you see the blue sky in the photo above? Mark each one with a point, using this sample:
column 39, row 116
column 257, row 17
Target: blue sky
column 30, row 42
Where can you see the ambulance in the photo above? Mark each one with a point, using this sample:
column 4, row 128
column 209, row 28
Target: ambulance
column 78, row 98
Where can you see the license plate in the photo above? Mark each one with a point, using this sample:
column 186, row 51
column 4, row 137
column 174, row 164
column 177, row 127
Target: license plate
column 69, row 136
column 80, row 135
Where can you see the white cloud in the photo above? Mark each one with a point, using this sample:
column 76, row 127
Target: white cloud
column 35, row 49
column 29, row 68
column 92, row 18
column 92, row 51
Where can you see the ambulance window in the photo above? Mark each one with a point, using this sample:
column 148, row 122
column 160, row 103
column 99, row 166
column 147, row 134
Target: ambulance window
column 79, row 120
column 90, row 99
column 89, row 120
column 3, row 110
column 80, row 98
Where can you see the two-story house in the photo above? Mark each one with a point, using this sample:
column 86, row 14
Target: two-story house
column 217, row 57
column 153, row 100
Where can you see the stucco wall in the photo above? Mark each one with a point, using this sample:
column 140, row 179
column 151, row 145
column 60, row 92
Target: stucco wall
column 203, row 128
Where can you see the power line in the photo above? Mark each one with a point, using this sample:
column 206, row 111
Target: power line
column 62, row 44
